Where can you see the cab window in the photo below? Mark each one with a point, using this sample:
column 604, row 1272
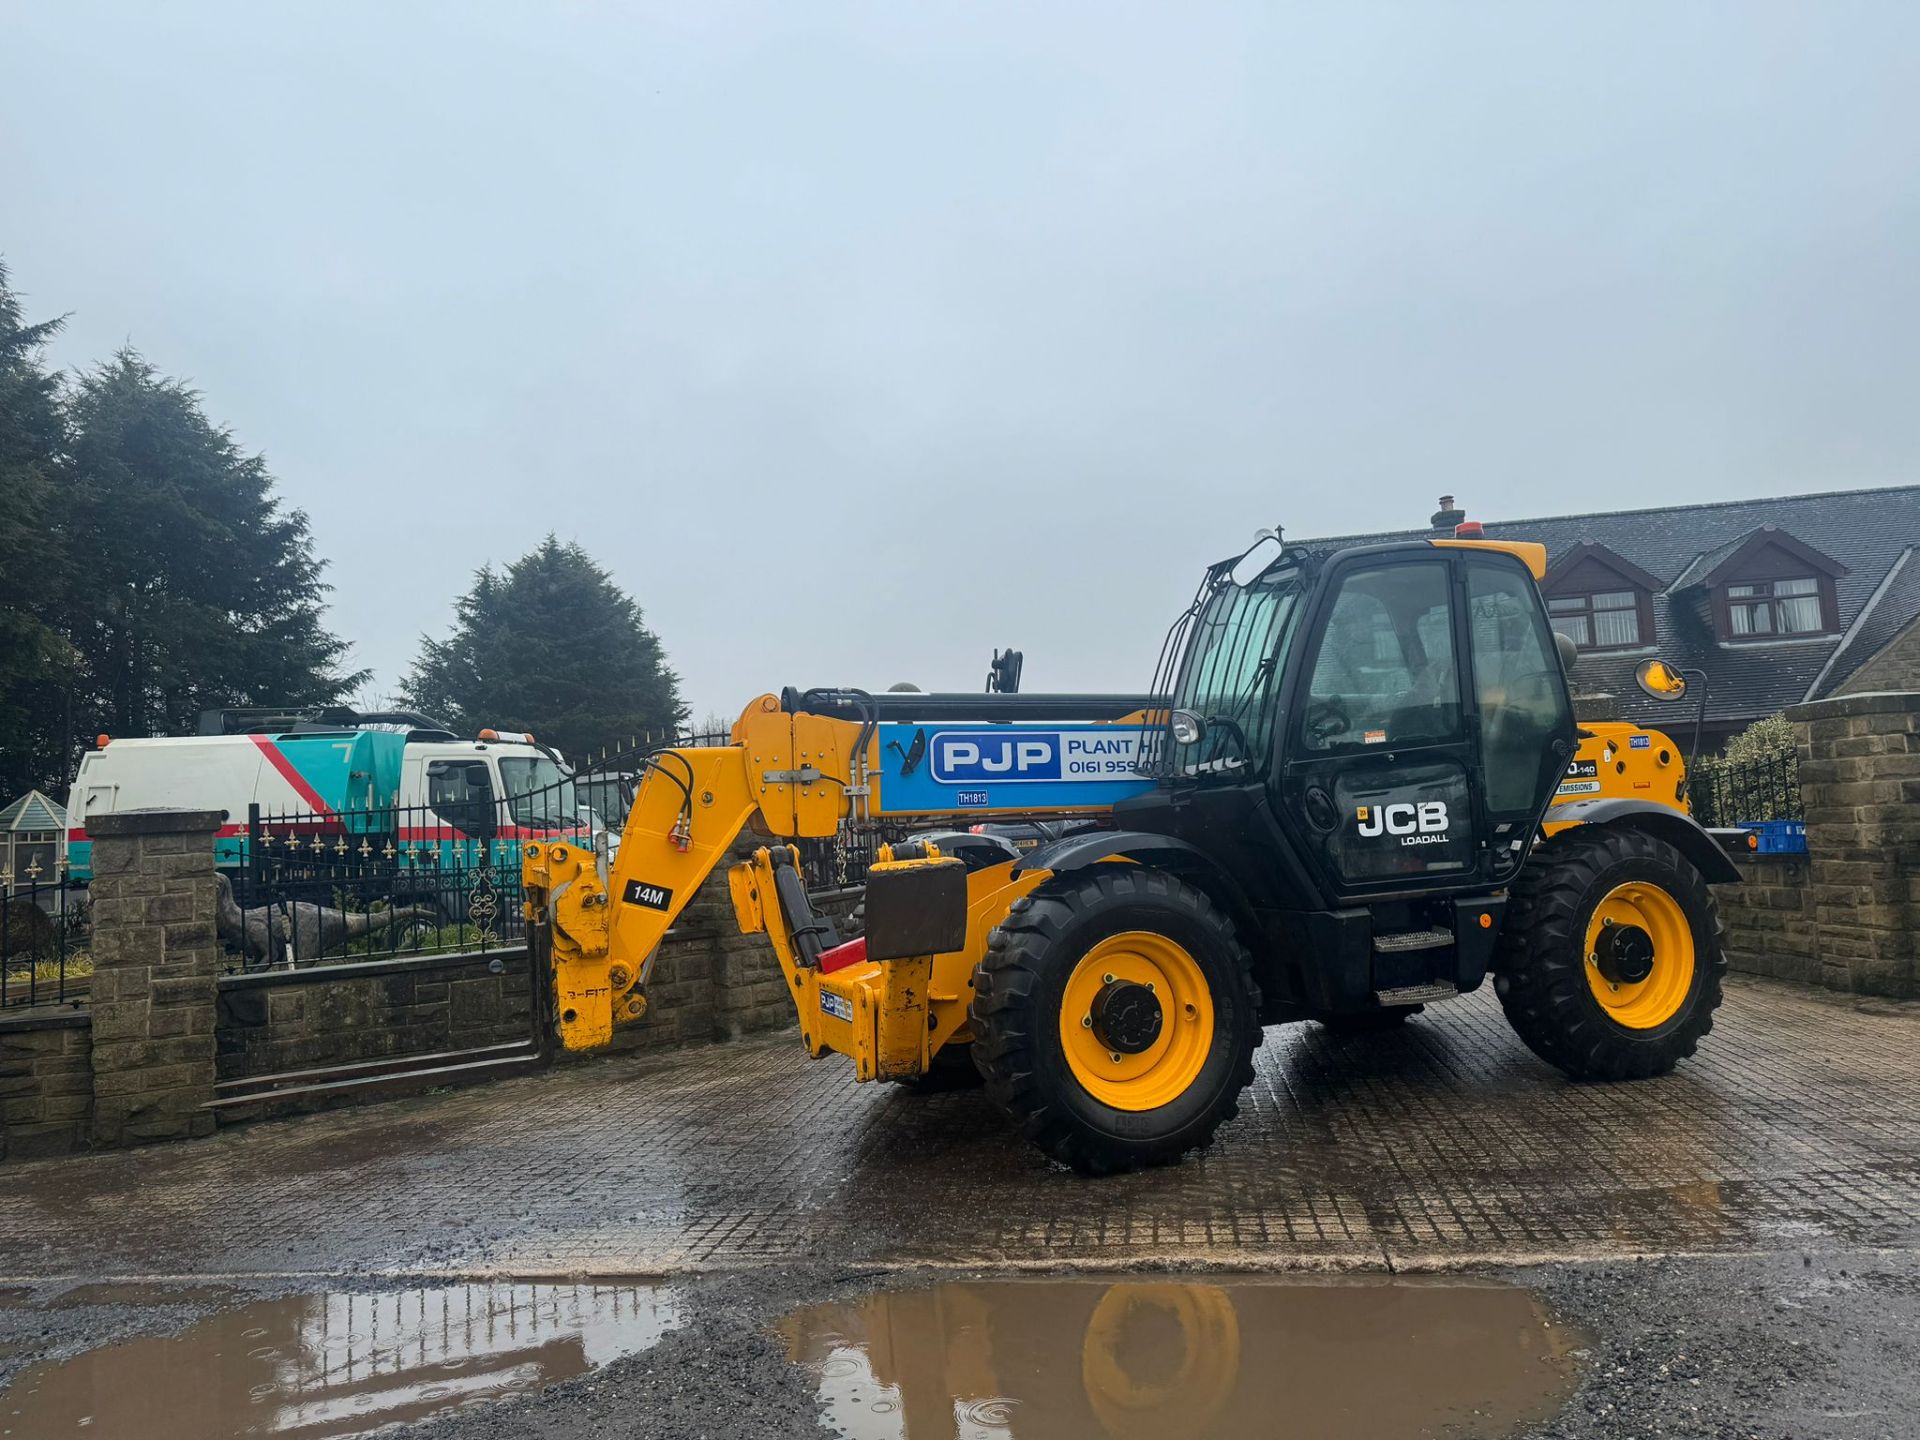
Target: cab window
column 1516, row 677
column 460, row 792
column 1386, row 673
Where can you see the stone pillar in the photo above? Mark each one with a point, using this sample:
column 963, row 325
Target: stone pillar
column 1860, row 778
column 155, row 963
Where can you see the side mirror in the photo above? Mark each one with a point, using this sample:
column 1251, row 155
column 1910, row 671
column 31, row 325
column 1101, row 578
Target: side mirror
column 1660, row 680
column 1257, row 560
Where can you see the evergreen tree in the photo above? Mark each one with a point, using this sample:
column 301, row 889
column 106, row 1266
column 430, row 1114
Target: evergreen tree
column 193, row 589
column 553, row 646
column 36, row 664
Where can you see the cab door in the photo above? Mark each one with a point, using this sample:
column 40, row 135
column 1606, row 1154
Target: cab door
column 1379, row 764
column 1520, row 708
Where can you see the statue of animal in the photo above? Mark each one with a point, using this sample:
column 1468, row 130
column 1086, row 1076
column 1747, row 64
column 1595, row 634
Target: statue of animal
column 265, row 932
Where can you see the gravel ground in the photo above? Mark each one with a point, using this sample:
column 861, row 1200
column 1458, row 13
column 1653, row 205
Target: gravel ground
column 1775, row 1346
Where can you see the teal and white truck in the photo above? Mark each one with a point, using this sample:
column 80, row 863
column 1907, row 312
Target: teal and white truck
column 334, row 776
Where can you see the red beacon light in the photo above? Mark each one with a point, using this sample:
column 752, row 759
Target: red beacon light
column 1469, row 530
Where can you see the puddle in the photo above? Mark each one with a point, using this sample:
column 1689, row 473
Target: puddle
column 311, row 1367
column 1318, row 1359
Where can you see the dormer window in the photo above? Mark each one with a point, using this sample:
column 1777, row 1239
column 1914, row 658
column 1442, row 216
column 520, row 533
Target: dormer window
column 1599, row 599
column 1768, row 585
column 1775, row 607
column 1608, row 620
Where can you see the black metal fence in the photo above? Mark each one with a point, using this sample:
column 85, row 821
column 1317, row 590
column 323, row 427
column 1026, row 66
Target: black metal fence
column 356, row 885
column 838, row 863
column 1725, row 793
column 439, row 877
column 45, row 939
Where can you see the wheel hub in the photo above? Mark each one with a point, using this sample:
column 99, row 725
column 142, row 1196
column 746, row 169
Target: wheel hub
column 1624, row 954
column 1127, row 1016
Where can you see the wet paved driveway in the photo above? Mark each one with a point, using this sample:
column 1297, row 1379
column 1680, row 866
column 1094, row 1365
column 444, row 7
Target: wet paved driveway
column 1798, row 1128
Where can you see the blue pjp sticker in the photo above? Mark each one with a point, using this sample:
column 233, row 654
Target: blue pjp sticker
column 1639, row 742
column 836, row 1005
column 928, row 769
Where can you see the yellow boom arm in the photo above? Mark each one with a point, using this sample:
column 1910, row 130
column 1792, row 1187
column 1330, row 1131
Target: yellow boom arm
column 790, row 776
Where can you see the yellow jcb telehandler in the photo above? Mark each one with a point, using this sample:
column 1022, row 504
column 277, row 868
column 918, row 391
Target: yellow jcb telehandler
column 1355, row 789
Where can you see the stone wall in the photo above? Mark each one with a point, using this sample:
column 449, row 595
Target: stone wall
column 169, row 1042
column 1769, row 919
column 46, row 1082
column 1860, row 781
column 277, row 1020
column 154, row 962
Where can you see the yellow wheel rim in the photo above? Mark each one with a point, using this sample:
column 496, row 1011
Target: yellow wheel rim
column 1656, row 999
column 1164, row 1070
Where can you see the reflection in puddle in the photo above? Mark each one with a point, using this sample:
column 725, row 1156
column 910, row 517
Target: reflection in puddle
column 1321, row 1359
column 336, row 1363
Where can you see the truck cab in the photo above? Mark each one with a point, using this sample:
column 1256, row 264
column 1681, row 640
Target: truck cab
column 496, row 787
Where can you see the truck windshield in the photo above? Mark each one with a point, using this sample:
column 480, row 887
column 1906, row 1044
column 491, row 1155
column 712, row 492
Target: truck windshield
column 538, row 792
column 1239, row 644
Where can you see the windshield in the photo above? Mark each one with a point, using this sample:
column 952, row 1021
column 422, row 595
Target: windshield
column 538, row 792
column 1239, row 645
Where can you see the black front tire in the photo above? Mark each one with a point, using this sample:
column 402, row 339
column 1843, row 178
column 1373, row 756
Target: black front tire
column 1541, row 964
column 1019, row 989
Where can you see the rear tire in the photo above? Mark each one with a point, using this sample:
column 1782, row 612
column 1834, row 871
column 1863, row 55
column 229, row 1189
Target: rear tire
column 1562, row 1003
column 1044, row 1059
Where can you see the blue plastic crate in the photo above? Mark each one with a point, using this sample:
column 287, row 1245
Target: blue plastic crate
column 1778, row 837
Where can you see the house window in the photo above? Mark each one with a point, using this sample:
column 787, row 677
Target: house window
column 32, row 858
column 1775, row 607
column 1609, row 620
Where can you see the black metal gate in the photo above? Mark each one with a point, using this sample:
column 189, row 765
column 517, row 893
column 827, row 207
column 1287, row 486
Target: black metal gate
column 395, row 896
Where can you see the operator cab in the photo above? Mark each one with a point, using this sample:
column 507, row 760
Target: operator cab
column 1399, row 711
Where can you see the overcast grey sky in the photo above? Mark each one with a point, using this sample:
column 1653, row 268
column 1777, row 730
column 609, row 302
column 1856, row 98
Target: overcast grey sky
column 859, row 339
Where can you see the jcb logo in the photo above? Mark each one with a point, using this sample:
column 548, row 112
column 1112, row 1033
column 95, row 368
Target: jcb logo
column 1427, row 818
